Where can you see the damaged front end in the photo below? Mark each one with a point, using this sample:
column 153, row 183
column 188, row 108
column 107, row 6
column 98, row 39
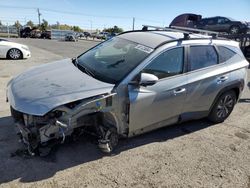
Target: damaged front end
column 95, row 115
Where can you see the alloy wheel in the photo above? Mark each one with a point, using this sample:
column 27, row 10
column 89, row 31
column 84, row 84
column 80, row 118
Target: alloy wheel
column 225, row 106
column 234, row 30
column 14, row 53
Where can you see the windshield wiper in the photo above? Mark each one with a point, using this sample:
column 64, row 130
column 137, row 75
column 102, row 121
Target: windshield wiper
column 86, row 70
column 83, row 68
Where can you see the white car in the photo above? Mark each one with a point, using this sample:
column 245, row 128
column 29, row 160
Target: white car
column 12, row 50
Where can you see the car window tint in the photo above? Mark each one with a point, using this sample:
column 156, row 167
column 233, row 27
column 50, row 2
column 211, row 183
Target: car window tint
column 225, row 53
column 221, row 21
column 167, row 64
column 211, row 21
column 202, row 56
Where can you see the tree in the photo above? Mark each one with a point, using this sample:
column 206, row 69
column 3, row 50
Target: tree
column 117, row 29
column 1, row 23
column 114, row 29
column 30, row 23
column 76, row 29
column 17, row 24
column 44, row 25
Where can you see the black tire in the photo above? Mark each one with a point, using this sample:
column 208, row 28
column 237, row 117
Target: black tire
column 234, row 29
column 14, row 53
column 110, row 141
column 223, row 107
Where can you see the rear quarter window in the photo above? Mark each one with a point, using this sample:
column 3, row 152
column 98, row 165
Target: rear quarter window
column 225, row 53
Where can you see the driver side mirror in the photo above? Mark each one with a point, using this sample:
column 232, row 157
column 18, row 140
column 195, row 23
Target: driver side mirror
column 148, row 79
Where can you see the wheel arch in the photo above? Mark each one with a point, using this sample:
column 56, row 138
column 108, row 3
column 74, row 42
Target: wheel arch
column 237, row 87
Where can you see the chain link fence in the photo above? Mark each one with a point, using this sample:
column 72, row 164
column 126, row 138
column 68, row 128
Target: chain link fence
column 8, row 31
column 58, row 34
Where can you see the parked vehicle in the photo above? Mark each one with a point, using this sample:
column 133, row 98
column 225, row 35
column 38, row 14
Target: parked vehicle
column 222, row 24
column 12, row 50
column 71, row 37
column 185, row 20
column 218, row 23
column 25, row 32
column 35, row 33
column 86, row 34
column 46, row 34
column 111, row 35
column 133, row 83
column 102, row 35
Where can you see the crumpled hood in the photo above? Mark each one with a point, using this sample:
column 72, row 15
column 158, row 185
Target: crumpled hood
column 43, row 88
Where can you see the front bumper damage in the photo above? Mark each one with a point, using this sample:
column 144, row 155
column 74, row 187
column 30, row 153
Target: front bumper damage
column 96, row 114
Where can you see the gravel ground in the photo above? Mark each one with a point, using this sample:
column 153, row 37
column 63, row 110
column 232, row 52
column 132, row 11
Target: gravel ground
column 192, row 154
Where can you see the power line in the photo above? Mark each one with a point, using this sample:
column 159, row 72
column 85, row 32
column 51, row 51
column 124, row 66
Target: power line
column 65, row 12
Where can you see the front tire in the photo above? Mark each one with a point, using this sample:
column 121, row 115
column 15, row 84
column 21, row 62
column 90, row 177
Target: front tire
column 223, row 107
column 110, row 141
column 14, row 53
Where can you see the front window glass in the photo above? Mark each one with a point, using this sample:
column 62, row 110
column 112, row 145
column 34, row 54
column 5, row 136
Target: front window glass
column 167, row 64
column 112, row 60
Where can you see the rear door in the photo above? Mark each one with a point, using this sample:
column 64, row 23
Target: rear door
column 206, row 78
column 212, row 24
column 223, row 24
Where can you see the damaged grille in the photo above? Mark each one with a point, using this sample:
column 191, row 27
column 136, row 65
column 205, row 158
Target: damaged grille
column 28, row 120
column 17, row 116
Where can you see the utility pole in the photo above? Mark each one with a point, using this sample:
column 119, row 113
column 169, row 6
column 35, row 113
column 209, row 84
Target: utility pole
column 133, row 23
column 39, row 15
column 8, row 30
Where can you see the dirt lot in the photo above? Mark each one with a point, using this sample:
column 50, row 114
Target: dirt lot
column 193, row 154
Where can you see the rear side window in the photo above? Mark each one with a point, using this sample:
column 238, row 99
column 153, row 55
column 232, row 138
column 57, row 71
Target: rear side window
column 201, row 57
column 225, row 53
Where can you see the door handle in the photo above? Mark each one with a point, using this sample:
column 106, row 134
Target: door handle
column 222, row 79
column 180, row 90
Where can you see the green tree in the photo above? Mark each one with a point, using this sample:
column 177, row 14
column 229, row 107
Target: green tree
column 114, row 29
column 1, row 23
column 30, row 23
column 44, row 25
column 77, row 29
column 17, row 24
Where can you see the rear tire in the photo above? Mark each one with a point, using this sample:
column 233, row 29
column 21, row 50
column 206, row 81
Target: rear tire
column 234, row 29
column 223, row 107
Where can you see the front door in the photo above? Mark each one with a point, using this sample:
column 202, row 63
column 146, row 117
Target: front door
column 161, row 104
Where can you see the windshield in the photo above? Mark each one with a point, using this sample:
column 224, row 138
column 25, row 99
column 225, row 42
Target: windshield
column 112, row 60
column 231, row 19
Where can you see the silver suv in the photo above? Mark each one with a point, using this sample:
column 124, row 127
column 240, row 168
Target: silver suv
column 133, row 83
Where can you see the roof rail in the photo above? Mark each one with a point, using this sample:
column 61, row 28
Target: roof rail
column 185, row 30
column 185, row 33
column 193, row 30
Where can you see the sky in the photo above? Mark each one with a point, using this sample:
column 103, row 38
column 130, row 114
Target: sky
column 99, row 14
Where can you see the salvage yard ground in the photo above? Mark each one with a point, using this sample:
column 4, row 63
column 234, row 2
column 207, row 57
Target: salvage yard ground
column 193, row 154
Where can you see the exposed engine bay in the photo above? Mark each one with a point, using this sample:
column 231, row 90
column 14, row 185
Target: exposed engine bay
column 88, row 116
